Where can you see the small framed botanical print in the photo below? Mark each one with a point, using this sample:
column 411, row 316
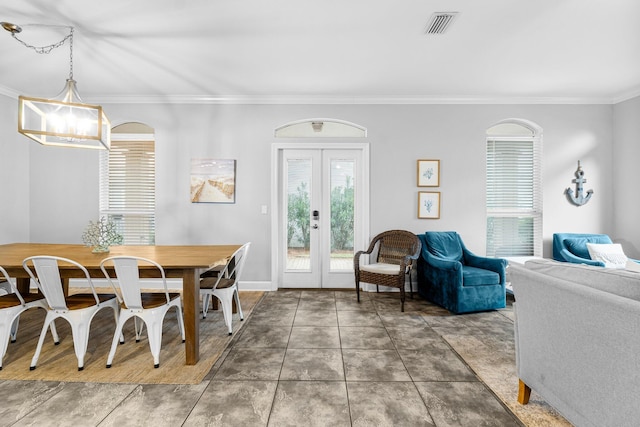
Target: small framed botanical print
column 429, row 204
column 428, row 173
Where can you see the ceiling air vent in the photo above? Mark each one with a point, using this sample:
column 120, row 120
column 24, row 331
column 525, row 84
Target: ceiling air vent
column 440, row 22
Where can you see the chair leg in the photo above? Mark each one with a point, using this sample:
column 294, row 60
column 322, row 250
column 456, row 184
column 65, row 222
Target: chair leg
column 225, row 299
column 43, row 333
column 358, row 289
column 180, row 319
column 237, row 297
column 135, row 328
column 116, row 317
column 14, row 330
column 80, row 333
column 154, row 333
column 118, row 332
column 8, row 318
column 206, row 298
column 402, row 296
column 54, row 333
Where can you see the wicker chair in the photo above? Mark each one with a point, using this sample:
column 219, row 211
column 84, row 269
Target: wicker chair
column 396, row 250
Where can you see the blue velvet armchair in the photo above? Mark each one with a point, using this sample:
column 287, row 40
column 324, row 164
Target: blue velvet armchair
column 455, row 278
column 572, row 247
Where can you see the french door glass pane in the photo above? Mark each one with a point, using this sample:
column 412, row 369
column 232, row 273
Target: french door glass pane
column 342, row 214
column 298, row 210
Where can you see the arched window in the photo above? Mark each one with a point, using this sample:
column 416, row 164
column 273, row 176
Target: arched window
column 320, row 128
column 514, row 189
column 128, row 183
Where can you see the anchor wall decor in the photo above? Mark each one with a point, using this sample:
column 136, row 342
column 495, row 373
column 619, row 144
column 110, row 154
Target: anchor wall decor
column 579, row 198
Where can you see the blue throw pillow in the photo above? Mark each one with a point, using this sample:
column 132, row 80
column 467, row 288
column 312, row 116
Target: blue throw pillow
column 578, row 245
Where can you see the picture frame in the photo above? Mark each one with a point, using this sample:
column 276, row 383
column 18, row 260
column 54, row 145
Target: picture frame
column 213, row 181
column 428, row 173
column 429, row 204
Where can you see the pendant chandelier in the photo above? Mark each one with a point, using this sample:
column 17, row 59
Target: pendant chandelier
column 65, row 120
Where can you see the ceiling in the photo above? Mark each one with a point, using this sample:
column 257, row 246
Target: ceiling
column 329, row 51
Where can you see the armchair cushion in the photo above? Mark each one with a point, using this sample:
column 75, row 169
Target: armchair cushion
column 445, row 245
column 473, row 276
column 381, row 268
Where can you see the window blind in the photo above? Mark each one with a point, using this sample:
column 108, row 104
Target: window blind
column 514, row 202
column 127, row 188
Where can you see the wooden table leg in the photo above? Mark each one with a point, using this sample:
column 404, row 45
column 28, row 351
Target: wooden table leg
column 23, row 283
column 191, row 309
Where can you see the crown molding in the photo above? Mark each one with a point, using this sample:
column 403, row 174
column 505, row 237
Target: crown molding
column 340, row 100
column 627, row 96
column 6, row 91
column 345, row 100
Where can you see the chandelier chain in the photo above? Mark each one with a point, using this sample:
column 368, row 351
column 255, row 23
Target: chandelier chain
column 47, row 49
column 71, row 54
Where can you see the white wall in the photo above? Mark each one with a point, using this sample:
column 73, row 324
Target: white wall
column 14, row 176
column 626, row 157
column 64, row 183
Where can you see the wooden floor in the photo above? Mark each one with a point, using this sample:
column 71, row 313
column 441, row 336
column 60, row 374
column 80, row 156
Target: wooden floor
column 133, row 362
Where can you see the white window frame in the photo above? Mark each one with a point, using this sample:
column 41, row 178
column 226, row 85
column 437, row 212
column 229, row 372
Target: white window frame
column 523, row 201
column 135, row 220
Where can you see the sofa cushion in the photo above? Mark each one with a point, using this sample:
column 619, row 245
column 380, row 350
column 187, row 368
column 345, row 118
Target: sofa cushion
column 444, row 245
column 616, row 281
column 611, row 254
column 472, row 276
column 578, row 245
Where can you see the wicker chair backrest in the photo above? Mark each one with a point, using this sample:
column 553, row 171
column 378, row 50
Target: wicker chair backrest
column 395, row 245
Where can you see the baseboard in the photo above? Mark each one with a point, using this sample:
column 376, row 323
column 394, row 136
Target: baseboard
column 250, row 285
column 172, row 284
column 256, row 286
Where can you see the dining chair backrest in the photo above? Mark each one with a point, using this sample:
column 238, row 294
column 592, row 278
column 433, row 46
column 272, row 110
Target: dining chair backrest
column 49, row 281
column 128, row 275
column 235, row 265
column 9, row 286
column 240, row 258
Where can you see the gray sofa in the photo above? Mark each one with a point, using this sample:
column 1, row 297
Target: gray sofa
column 577, row 334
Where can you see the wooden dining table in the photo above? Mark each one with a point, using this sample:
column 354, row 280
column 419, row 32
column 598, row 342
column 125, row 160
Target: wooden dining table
column 184, row 262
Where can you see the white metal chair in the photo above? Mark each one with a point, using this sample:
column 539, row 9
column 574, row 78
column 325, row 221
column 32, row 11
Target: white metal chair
column 224, row 286
column 12, row 305
column 78, row 309
column 5, row 285
column 150, row 307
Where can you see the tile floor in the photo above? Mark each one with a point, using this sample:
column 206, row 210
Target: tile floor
column 305, row 358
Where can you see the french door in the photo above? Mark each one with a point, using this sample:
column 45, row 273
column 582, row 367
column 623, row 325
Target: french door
column 322, row 206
